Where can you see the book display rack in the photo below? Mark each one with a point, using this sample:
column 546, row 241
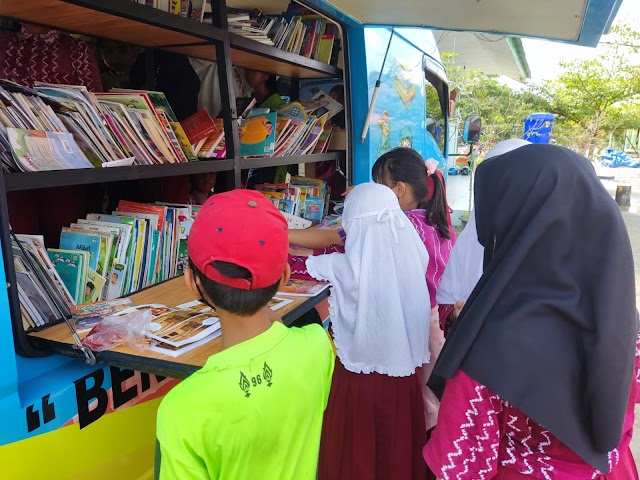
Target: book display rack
column 129, row 22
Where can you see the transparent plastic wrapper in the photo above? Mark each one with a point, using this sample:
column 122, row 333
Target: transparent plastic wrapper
column 132, row 328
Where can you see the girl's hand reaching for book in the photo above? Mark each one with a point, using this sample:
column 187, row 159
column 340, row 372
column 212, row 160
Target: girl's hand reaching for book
column 300, row 252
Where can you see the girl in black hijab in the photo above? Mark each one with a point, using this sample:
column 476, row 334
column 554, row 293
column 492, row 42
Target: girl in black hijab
column 540, row 364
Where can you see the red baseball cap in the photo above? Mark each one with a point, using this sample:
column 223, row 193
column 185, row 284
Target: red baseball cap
column 244, row 228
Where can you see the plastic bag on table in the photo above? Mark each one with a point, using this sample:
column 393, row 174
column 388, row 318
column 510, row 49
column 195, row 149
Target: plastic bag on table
column 131, row 328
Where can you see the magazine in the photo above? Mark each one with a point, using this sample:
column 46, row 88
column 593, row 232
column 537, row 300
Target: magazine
column 303, row 288
column 36, row 150
column 178, row 327
column 86, row 316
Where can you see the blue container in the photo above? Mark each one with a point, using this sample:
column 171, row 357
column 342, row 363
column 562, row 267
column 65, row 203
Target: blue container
column 537, row 127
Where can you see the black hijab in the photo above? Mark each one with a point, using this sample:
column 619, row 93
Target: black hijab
column 551, row 325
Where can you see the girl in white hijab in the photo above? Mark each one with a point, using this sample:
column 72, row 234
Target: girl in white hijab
column 379, row 308
column 465, row 263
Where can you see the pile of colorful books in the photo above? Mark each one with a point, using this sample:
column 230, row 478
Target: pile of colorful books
column 292, row 130
column 75, row 128
column 102, row 257
column 298, row 31
column 205, row 134
column 296, row 129
column 300, row 196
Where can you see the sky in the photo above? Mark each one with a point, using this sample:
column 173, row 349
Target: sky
column 544, row 61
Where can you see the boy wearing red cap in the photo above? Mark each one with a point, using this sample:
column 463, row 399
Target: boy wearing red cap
column 255, row 409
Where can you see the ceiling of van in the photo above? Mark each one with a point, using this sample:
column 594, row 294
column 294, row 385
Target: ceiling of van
column 574, row 21
column 491, row 54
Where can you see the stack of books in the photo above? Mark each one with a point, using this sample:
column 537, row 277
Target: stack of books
column 44, row 296
column 293, row 130
column 205, row 135
column 308, row 35
column 303, row 197
column 296, row 129
column 298, row 31
column 251, row 24
column 58, row 127
column 102, row 257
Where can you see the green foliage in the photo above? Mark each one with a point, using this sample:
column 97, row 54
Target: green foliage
column 597, row 96
column 593, row 99
column 502, row 109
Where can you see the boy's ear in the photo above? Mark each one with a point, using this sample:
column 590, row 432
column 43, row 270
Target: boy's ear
column 285, row 276
column 190, row 280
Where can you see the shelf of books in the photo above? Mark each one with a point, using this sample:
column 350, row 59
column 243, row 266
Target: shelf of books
column 174, row 349
column 246, row 163
column 249, row 53
column 59, row 178
column 131, row 22
column 83, row 284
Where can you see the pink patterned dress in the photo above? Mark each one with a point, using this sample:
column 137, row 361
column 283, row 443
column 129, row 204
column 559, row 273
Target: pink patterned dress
column 480, row 436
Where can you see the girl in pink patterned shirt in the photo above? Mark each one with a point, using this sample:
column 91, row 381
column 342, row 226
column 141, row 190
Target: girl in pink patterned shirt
column 541, row 365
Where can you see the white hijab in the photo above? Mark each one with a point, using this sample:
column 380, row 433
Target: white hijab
column 379, row 302
column 465, row 265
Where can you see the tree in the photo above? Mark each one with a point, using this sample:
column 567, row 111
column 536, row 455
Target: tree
column 595, row 97
column 502, row 109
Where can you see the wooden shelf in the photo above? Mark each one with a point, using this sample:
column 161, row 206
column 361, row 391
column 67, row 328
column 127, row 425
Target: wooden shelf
column 58, row 178
column 246, row 163
column 130, row 22
column 121, row 20
column 171, row 293
column 249, row 53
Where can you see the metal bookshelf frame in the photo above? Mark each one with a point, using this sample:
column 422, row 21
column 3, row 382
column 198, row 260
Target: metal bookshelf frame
column 129, row 22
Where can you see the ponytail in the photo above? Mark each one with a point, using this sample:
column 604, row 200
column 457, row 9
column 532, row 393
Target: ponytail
column 436, row 206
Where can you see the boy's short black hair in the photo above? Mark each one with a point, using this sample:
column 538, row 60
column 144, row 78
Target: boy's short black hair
column 234, row 300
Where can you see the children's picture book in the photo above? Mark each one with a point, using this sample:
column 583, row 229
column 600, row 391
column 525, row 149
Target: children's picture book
column 82, row 242
column 93, row 287
column 177, row 327
column 330, row 222
column 37, row 150
column 198, row 126
column 72, row 266
column 86, row 316
column 303, row 288
column 258, row 136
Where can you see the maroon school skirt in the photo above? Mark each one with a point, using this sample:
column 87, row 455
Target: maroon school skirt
column 373, row 428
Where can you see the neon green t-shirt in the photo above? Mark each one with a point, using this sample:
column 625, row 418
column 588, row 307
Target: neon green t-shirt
column 273, row 102
column 254, row 411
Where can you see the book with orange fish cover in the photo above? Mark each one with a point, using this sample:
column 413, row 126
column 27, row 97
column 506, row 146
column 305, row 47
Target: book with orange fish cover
column 258, row 135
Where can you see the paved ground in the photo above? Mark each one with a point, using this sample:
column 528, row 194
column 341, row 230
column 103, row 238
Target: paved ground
column 458, row 197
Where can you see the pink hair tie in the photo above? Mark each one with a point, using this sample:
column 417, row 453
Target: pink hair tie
column 432, row 166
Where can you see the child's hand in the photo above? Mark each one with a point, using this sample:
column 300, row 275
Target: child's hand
column 347, row 191
column 458, row 308
column 300, row 252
